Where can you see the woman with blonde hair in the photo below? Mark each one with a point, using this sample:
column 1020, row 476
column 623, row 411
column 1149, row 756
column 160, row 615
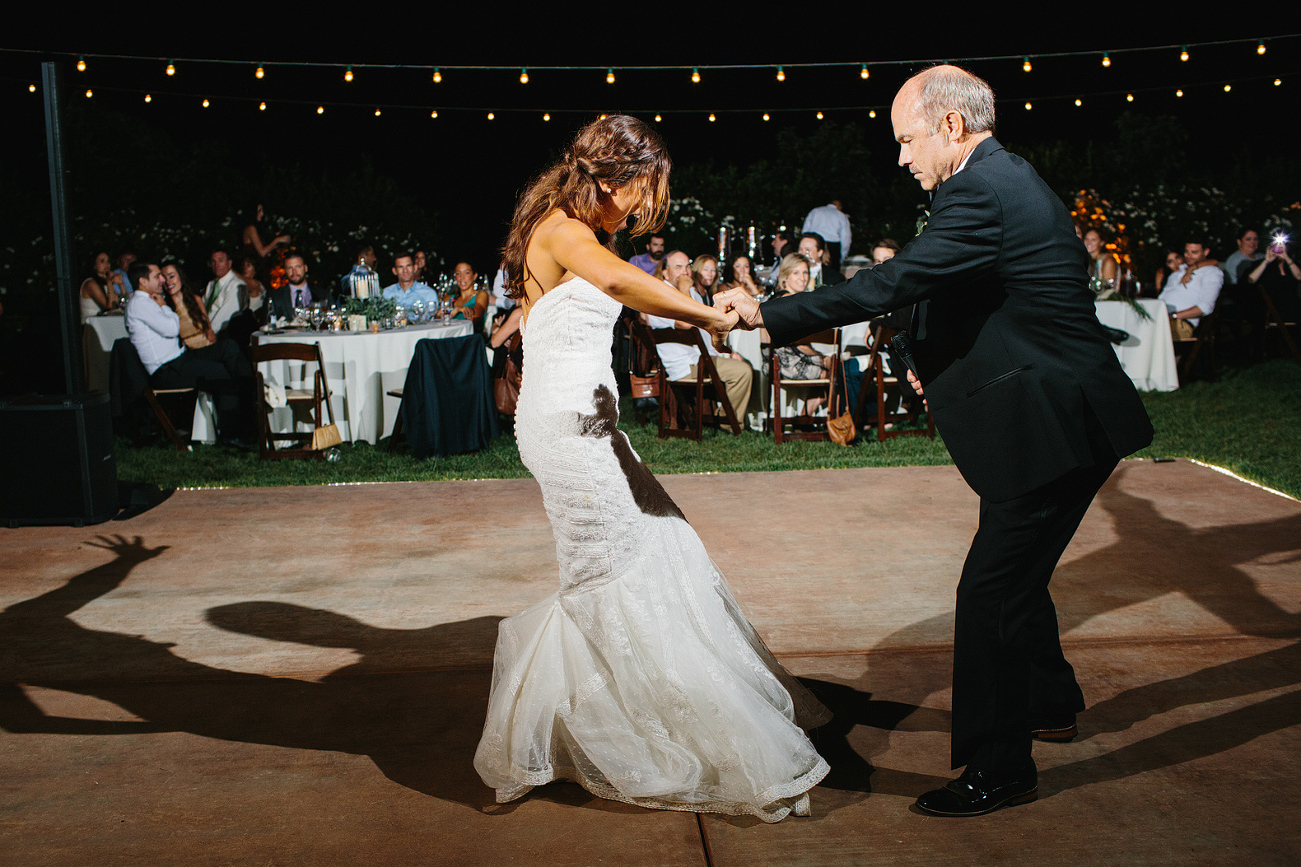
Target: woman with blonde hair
column 640, row 680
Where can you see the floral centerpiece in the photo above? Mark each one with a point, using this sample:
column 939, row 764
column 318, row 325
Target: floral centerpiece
column 374, row 308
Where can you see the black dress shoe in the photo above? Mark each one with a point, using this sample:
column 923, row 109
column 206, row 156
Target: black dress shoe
column 978, row 792
column 1058, row 729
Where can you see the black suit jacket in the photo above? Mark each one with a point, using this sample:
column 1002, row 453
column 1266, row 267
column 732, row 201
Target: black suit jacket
column 1007, row 342
column 284, row 305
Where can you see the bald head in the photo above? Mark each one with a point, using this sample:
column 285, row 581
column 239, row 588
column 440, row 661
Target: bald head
column 939, row 117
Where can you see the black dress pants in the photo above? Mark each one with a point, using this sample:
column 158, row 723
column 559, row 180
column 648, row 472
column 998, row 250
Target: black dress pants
column 1008, row 667
column 222, row 371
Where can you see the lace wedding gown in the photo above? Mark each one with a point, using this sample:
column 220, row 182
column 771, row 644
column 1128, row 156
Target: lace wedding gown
column 640, row 680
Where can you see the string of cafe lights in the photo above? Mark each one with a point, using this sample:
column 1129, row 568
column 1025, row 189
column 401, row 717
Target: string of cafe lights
column 1185, row 52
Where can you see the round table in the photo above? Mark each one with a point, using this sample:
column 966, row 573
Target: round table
column 1148, row 356
column 360, row 368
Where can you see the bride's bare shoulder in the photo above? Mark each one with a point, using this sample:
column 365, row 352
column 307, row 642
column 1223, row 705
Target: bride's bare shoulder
column 559, row 225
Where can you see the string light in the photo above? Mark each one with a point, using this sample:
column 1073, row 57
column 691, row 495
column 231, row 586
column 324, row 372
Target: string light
column 205, row 103
column 765, row 115
column 1106, row 59
column 523, row 76
column 1228, row 87
column 347, row 74
column 148, row 98
column 89, row 93
column 1179, row 92
column 1260, row 47
column 546, row 116
column 658, row 118
column 434, row 113
column 1027, row 106
column 491, row 116
column 171, row 68
column 711, row 117
column 261, row 106
column 81, row 63
column 863, row 73
column 1078, row 102
column 31, row 88
column 1129, row 97
column 1277, row 82
column 1026, row 64
column 1183, row 53
column 260, row 72
column 781, row 74
column 695, row 75
column 819, row 115
column 438, row 75
column 377, row 111
column 872, row 113
column 320, row 109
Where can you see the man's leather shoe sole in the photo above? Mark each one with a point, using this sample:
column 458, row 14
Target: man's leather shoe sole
column 1056, row 734
column 973, row 794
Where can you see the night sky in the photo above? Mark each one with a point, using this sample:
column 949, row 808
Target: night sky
column 468, row 169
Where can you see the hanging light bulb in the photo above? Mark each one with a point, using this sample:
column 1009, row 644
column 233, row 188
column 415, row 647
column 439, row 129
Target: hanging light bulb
column 1228, row 87
column 695, row 75
column 1106, row 59
column 491, row 116
column 1277, row 82
column 81, row 63
column 872, row 114
column 765, row 115
column 863, row 73
column 148, row 98
column 711, row 117
column 1260, row 47
column 523, row 76
column 320, row 109
column 377, row 111
column 546, row 116
column 31, row 88
column 819, row 115
column 1129, row 97
column 171, row 68
column 434, row 113
column 781, row 74
column 1183, row 53
column 1179, row 92
column 658, row 118
column 438, row 75
column 1028, row 106
column 259, row 72
column 1026, row 64
column 261, row 106
column 609, row 75
column 205, row 103
column 89, row 93
column 347, row 74
column 1078, row 102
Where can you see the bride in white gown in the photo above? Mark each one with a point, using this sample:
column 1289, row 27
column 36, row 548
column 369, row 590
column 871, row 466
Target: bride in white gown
column 641, row 679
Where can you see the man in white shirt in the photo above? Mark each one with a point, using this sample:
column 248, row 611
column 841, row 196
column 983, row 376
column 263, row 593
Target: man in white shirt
column 830, row 222
column 1191, row 292
column 225, row 294
column 219, row 369
column 408, row 291
column 680, row 360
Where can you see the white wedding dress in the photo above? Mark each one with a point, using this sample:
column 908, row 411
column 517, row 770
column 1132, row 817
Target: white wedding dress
column 641, row 679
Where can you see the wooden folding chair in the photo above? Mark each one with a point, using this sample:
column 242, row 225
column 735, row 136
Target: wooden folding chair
column 643, row 361
column 1191, row 347
column 877, row 381
column 811, row 388
column 1274, row 319
column 189, row 395
column 686, row 404
column 316, row 396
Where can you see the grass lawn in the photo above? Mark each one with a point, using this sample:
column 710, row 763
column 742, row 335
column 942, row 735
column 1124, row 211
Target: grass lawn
column 1248, row 422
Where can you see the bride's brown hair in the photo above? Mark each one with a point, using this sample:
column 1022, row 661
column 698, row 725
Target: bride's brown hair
column 617, row 150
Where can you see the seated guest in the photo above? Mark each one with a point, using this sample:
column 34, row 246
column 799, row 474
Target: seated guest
column 95, row 295
column 803, row 361
column 1102, row 264
column 255, row 290
column 1173, row 262
column 219, row 369
column 471, row 302
column 1248, row 244
column 418, row 256
column 297, row 293
column 1191, row 292
column 814, row 249
column 742, row 276
column 653, row 256
column 221, row 297
column 123, row 263
column 704, row 276
column 361, row 281
column 196, row 331
column 407, row 292
column 781, row 248
column 680, row 361
column 1277, row 276
column 884, row 250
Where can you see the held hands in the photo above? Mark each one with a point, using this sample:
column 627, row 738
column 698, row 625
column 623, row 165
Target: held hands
column 720, row 328
column 745, row 307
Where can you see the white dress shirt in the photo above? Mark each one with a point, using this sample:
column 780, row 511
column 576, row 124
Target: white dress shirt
column 1201, row 291
column 832, row 224
column 225, row 295
column 155, row 330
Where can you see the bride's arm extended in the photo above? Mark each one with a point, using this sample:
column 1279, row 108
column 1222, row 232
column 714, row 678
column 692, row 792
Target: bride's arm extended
column 575, row 248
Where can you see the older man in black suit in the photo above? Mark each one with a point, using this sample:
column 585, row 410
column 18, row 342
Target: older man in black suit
column 1029, row 397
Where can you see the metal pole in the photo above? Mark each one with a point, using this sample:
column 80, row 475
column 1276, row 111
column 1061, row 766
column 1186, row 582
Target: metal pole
column 69, row 308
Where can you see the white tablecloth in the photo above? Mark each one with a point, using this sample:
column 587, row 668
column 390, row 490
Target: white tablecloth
column 1148, row 356
column 97, row 342
column 360, row 368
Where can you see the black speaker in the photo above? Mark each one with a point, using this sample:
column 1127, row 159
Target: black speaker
column 56, row 455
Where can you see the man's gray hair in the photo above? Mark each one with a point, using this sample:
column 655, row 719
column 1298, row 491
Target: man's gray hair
column 949, row 88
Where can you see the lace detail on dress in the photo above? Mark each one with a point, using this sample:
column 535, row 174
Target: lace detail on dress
column 640, row 680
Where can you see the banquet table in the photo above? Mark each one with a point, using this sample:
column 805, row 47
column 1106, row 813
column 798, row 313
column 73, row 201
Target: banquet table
column 360, row 367
column 1148, row 356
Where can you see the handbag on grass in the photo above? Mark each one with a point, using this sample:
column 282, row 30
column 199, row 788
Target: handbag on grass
column 326, row 437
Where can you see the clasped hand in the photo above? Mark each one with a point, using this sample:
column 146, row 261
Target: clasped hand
column 742, row 312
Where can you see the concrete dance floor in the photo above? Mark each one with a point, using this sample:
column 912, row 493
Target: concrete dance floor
column 299, row 676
